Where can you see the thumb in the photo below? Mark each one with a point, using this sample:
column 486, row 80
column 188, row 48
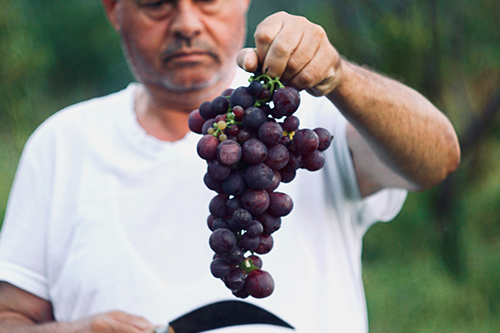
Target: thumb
column 248, row 59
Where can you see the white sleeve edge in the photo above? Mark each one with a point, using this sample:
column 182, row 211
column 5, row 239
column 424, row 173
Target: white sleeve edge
column 24, row 279
column 394, row 199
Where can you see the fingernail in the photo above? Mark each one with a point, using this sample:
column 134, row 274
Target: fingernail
column 244, row 62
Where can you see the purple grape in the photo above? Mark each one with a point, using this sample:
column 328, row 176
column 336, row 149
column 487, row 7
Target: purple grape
column 264, row 94
column 195, row 122
column 266, row 244
column 227, row 92
column 220, row 223
column 240, row 293
column 255, row 201
column 314, row 161
column 249, row 242
column 220, row 117
column 256, row 261
column 217, row 170
column 305, row 141
column 255, row 88
column 234, row 184
column 291, row 124
column 219, row 105
column 207, row 147
column 242, row 97
column 259, row 284
column 217, row 206
column 210, row 222
column 205, row 111
column 235, row 280
column 241, row 219
column 243, row 135
column 255, row 228
column 270, row 133
column 232, row 205
column 325, row 138
column 253, row 151
column 270, row 223
column 232, row 131
column 229, row 152
column 212, row 184
column 234, row 257
column 286, row 101
column 222, row 241
column 287, row 176
column 259, row 176
column 294, row 162
column 280, row 204
column 238, row 111
column 219, row 268
column 253, row 118
column 275, row 182
column 277, row 157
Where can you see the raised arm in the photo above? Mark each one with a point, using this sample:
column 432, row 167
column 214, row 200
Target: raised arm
column 396, row 136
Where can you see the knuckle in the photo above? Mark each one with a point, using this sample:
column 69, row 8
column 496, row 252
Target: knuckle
column 301, row 20
column 306, row 79
column 318, row 31
column 280, row 49
column 293, row 65
column 281, row 14
column 261, row 36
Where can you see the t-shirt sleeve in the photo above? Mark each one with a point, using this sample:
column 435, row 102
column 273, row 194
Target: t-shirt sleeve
column 23, row 234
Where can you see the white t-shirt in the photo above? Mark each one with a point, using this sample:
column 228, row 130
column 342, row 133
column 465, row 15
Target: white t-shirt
column 103, row 216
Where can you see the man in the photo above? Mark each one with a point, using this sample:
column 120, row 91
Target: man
column 104, row 228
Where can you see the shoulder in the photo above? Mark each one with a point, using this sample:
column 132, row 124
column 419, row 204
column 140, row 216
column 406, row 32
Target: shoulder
column 92, row 110
column 83, row 117
column 75, row 127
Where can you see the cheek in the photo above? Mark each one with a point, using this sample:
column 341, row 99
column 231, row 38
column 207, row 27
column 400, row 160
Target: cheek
column 230, row 34
column 144, row 39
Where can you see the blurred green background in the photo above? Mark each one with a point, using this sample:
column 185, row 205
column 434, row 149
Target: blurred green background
column 436, row 267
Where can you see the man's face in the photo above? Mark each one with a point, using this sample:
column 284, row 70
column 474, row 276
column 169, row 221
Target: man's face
column 182, row 45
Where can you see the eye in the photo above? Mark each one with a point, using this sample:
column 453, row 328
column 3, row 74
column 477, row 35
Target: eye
column 157, row 9
column 211, row 6
column 152, row 3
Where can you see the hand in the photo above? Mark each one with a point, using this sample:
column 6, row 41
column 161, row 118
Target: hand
column 297, row 51
column 114, row 322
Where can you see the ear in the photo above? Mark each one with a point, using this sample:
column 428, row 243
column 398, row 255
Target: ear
column 111, row 9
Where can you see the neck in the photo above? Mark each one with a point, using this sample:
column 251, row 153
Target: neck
column 164, row 114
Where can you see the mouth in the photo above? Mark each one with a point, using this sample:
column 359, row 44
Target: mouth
column 187, row 56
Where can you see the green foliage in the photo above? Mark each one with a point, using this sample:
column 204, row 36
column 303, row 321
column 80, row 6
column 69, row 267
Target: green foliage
column 435, row 268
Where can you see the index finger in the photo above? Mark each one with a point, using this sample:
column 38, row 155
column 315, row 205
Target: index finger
column 264, row 36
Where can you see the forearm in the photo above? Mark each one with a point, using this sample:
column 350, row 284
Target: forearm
column 12, row 322
column 409, row 134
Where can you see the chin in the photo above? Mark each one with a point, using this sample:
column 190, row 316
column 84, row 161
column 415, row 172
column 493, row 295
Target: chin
column 190, row 83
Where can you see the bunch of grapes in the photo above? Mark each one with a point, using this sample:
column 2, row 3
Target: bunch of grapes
column 252, row 143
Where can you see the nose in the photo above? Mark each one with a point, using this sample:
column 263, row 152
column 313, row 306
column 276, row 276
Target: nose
column 187, row 22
